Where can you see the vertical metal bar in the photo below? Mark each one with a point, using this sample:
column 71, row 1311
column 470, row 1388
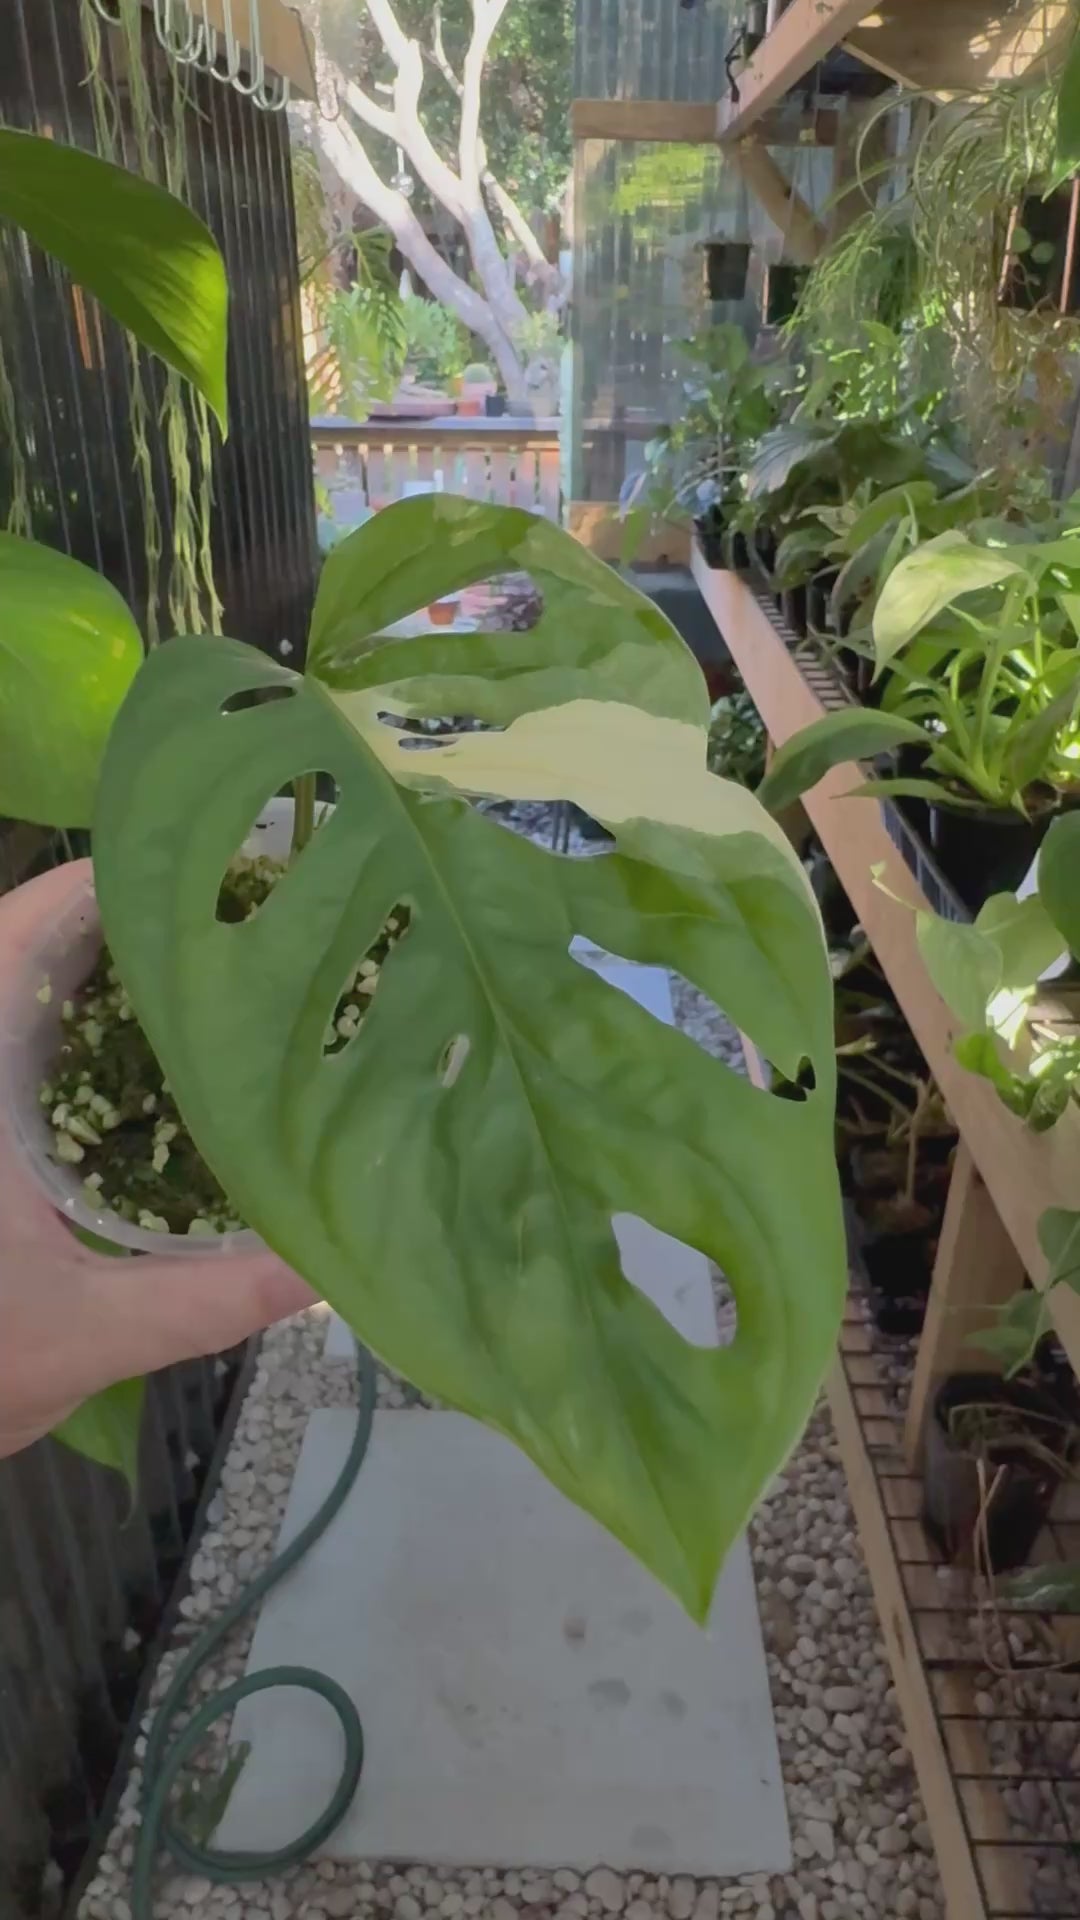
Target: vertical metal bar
column 104, row 426
column 240, row 111
column 297, row 443
column 256, row 131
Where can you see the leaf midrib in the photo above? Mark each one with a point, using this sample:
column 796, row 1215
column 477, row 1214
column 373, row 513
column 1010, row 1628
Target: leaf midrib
column 585, row 1291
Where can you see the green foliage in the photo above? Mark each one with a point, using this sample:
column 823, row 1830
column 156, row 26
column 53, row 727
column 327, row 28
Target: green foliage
column 525, row 110
column 364, row 354
column 939, row 572
column 69, row 650
column 1067, row 119
column 106, row 1428
column 728, row 402
column 737, row 740
column 149, row 260
column 1059, row 878
column 538, row 334
column 437, row 344
column 851, row 733
column 448, row 1179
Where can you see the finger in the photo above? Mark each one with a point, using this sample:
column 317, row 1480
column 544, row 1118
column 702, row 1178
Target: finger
column 160, row 1310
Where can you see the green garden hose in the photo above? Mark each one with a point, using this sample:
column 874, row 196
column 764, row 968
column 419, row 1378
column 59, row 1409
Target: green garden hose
column 167, row 1754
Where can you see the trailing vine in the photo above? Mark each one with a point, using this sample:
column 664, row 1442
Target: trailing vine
column 928, row 258
column 191, row 597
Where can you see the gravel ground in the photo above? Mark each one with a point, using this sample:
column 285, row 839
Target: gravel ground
column 861, row 1844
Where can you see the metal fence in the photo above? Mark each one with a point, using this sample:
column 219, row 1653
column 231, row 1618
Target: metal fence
column 512, row 462
column 85, row 1578
column 70, row 375
column 85, row 1583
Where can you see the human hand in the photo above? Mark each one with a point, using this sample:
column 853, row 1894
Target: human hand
column 73, row 1321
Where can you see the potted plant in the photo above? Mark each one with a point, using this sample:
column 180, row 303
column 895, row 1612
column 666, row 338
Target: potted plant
column 996, row 1451
column 478, row 383
column 692, row 468
column 984, row 681
column 255, row 1024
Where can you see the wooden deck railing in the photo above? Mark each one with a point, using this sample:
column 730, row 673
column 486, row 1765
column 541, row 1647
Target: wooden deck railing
column 513, row 462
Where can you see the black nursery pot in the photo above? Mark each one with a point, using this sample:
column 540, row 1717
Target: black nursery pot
column 985, row 850
column 899, row 1267
column 952, row 1495
column 718, row 547
column 783, row 285
column 494, row 405
column 727, row 263
column 792, row 604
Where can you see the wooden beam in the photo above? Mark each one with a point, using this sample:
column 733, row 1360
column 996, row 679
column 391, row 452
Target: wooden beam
column 676, row 120
column 695, row 123
column 960, row 1882
column 955, row 46
column 283, row 38
column 804, row 236
column 976, row 1271
column 805, row 31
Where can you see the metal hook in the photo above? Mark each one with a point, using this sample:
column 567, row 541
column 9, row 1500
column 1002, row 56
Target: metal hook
column 258, row 67
column 111, row 19
column 233, row 51
column 183, row 43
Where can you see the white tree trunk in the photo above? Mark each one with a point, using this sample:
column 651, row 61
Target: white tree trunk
column 345, row 152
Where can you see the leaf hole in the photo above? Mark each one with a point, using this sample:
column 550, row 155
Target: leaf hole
column 361, row 983
column 452, row 1059
column 264, row 854
column 255, row 697
column 798, row 1089
column 681, row 1281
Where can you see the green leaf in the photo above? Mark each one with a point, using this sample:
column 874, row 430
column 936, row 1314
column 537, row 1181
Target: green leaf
column 964, row 965
column 448, row 1179
column 1059, row 1238
column 854, row 733
column 1031, row 744
column 1053, row 1588
column 106, row 1428
column 1067, row 148
column 932, row 790
column 981, row 1053
column 778, row 454
column 1059, row 877
column 923, row 583
column 1020, row 1326
column 1025, row 936
column 887, row 507
column 597, row 633
column 150, row 261
column 69, row 650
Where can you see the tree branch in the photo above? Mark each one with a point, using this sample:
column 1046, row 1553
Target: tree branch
column 440, row 55
column 486, row 17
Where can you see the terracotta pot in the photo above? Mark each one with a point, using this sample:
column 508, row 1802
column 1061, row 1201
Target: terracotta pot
column 443, row 613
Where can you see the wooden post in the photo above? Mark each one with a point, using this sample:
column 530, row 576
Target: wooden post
column 803, row 235
column 976, row 1271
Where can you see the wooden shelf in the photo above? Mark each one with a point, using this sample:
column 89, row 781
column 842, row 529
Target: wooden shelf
column 944, row 45
column 1024, row 1172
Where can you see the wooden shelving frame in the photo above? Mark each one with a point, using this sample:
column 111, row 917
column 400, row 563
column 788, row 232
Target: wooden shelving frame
column 969, row 1729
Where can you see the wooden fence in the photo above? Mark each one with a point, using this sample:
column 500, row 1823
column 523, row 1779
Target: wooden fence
column 513, row 462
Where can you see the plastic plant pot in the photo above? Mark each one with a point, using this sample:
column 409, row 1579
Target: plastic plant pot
column 727, row 263
column 443, row 613
column 65, row 954
column 985, row 850
column 1023, row 1487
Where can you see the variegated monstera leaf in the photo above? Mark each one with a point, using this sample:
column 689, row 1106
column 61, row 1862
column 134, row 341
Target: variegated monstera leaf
column 448, row 1178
